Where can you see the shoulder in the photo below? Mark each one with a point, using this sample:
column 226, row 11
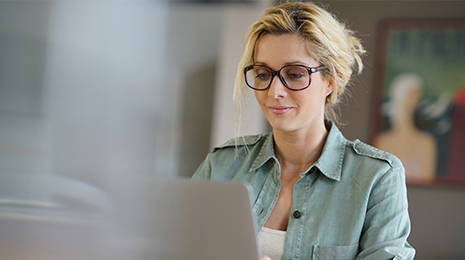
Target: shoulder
column 237, row 150
column 370, row 165
column 241, row 142
column 232, row 158
column 369, row 152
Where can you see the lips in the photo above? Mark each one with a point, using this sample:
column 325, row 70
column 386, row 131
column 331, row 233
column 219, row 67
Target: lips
column 279, row 110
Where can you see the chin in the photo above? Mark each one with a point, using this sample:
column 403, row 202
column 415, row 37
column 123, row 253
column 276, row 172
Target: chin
column 282, row 126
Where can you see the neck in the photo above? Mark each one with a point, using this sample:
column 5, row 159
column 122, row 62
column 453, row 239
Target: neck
column 298, row 150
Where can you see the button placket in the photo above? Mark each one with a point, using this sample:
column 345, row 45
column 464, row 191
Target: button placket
column 265, row 201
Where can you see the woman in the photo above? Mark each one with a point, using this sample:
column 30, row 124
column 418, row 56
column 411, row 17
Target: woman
column 316, row 194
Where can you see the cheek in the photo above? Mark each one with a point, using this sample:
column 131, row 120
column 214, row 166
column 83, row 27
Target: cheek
column 324, row 93
column 323, row 84
column 309, row 97
column 311, row 101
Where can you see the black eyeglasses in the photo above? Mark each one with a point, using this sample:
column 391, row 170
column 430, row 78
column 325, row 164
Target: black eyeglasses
column 293, row 77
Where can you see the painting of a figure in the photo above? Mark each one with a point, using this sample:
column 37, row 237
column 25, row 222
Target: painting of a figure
column 421, row 117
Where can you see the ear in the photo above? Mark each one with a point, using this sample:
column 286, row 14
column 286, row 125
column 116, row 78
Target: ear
column 329, row 88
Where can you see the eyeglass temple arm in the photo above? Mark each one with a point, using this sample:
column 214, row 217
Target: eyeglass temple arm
column 315, row 69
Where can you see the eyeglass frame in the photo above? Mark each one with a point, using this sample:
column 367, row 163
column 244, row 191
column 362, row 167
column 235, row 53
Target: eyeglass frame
column 310, row 71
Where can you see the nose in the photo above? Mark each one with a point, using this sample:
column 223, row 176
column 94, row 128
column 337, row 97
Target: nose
column 277, row 88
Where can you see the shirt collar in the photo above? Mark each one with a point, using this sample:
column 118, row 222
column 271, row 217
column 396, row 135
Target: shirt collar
column 266, row 152
column 332, row 156
column 329, row 163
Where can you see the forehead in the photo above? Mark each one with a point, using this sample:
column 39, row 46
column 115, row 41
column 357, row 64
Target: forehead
column 278, row 50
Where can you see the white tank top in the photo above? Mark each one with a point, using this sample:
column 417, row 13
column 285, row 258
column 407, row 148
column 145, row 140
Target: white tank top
column 271, row 243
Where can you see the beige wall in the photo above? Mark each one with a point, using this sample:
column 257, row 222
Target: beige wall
column 437, row 213
column 236, row 23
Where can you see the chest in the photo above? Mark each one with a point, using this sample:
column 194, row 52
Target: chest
column 310, row 208
column 281, row 211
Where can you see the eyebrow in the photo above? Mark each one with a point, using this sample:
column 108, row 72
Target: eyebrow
column 287, row 63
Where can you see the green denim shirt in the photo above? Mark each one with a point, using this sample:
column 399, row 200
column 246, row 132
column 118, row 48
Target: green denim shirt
column 350, row 204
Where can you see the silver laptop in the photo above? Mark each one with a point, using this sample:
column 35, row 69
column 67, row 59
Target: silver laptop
column 186, row 219
column 144, row 218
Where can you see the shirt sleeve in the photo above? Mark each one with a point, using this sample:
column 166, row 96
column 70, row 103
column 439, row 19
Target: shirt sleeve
column 387, row 223
column 203, row 172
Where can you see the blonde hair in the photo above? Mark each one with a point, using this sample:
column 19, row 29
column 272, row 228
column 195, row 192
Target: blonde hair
column 330, row 42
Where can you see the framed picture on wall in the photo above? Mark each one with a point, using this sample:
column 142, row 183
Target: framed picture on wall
column 419, row 110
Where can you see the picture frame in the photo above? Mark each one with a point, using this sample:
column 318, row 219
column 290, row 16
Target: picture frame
column 419, row 100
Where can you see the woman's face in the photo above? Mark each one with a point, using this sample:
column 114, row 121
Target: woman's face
column 287, row 110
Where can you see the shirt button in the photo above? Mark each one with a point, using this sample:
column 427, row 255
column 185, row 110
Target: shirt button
column 297, row 214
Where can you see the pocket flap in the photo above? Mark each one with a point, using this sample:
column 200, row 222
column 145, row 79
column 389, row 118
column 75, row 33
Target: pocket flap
column 335, row 252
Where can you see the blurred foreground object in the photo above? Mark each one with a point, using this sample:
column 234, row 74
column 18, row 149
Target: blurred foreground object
column 50, row 217
column 178, row 219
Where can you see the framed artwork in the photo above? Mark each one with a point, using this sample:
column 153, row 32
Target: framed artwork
column 419, row 110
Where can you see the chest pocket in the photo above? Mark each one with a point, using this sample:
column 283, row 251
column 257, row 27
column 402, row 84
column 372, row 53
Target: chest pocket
column 334, row 252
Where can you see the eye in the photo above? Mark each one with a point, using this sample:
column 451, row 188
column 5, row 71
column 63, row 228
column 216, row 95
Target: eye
column 295, row 73
column 262, row 74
